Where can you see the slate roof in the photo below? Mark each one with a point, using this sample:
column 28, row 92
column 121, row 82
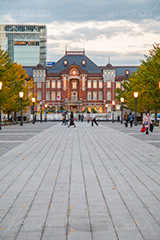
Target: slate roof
column 120, row 70
column 29, row 70
column 90, row 66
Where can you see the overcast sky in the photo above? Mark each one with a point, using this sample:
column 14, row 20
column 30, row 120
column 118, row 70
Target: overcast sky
column 123, row 30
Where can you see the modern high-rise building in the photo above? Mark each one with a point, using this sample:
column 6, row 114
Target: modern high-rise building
column 26, row 44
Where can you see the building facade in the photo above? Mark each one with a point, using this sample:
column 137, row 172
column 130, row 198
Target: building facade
column 26, row 44
column 77, row 84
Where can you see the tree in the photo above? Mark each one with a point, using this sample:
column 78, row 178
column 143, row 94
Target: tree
column 145, row 81
column 14, row 80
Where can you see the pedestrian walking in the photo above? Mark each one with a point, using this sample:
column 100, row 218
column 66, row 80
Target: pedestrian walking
column 88, row 118
column 82, row 117
column 94, row 121
column 79, row 117
column 146, row 122
column 130, row 118
column 67, row 118
column 126, row 119
column 71, row 120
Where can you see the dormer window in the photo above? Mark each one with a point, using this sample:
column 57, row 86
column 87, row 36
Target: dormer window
column 65, row 62
column 127, row 72
column 83, row 62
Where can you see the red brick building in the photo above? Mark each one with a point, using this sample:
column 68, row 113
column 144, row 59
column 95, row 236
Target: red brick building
column 76, row 83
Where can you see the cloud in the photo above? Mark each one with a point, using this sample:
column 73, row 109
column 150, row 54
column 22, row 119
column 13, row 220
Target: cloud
column 71, row 10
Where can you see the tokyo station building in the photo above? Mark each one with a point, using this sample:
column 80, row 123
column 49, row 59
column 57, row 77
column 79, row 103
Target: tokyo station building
column 77, row 84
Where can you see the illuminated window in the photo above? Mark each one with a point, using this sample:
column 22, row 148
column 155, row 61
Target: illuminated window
column 74, row 85
column 100, row 95
column 65, row 62
column 94, row 95
column 108, row 84
column 83, row 62
column 95, row 108
column 58, row 84
column 89, row 109
column 64, row 84
column 48, row 84
column 108, row 95
column 53, row 84
column 100, row 109
column 127, row 72
column 89, row 95
column 89, row 84
column 118, row 85
column 95, row 84
column 100, row 84
column 53, row 96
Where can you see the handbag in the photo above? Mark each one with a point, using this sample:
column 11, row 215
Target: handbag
column 143, row 129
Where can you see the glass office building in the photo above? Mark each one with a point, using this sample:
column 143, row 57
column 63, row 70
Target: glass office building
column 26, row 44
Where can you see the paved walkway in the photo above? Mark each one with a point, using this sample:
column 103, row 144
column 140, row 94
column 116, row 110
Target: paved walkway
column 83, row 183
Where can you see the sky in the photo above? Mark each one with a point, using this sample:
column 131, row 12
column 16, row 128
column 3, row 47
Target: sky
column 124, row 30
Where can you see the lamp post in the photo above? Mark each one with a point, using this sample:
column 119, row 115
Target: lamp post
column 21, row 96
column 46, row 112
column 0, row 104
column 122, row 101
column 33, row 101
column 106, row 110
column 135, row 96
column 41, row 111
column 113, row 103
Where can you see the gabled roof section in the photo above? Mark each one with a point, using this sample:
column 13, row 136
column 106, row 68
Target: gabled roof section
column 75, row 58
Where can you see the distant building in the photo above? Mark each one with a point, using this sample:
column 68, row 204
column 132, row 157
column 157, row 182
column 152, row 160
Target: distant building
column 77, row 84
column 26, row 44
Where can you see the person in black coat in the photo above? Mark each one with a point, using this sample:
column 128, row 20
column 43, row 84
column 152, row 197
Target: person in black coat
column 71, row 120
column 94, row 121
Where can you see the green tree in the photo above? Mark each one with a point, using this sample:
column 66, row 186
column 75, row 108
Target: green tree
column 144, row 81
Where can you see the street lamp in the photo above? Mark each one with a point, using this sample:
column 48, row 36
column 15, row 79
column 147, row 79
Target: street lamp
column 33, row 101
column 122, row 101
column 135, row 96
column 41, row 111
column 0, row 104
column 21, row 96
column 113, row 103
column 46, row 112
column 106, row 110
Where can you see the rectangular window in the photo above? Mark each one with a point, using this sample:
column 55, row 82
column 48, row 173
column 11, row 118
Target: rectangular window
column 108, row 95
column 108, row 84
column 64, row 84
column 89, row 95
column 89, row 84
column 58, row 84
column 100, row 84
column 94, row 95
column 100, row 95
column 118, row 85
column 38, row 84
column 38, row 95
column 47, row 95
column 53, row 84
column 48, row 84
column 95, row 84
column 58, row 95
column 53, row 96
column 74, row 85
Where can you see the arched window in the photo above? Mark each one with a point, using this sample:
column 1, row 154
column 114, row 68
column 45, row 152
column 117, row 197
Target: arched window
column 100, row 109
column 95, row 108
column 89, row 109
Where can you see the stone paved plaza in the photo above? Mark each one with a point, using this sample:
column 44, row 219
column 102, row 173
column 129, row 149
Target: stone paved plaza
column 83, row 183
